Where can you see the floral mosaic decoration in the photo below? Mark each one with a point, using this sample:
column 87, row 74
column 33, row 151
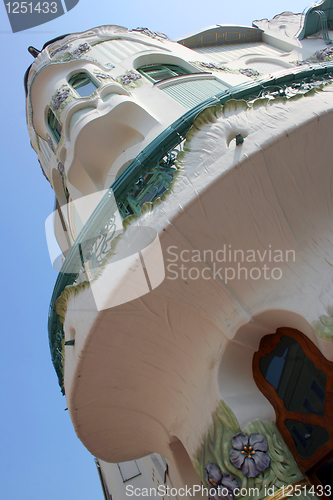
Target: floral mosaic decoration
column 69, row 56
column 219, row 441
column 302, row 63
column 325, row 54
column 250, row 454
column 223, row 485
column 59, row 49
column 49, row 142
column 82, row 48
column 131, row 78
column 249, row 72
column 61, row 170
column 212, row 66
column 59, row 98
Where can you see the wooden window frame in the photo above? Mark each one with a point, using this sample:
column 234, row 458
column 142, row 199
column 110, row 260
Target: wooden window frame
column 267, row 344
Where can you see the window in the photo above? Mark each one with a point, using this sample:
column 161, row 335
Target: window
column 298, row 380
column 54, row 125
column 82, row 84
column 158, row 72
column 128, row 470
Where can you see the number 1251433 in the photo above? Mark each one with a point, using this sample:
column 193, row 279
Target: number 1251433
column 31, row 7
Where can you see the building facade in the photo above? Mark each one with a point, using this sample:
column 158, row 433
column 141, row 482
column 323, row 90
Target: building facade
column 191, row 324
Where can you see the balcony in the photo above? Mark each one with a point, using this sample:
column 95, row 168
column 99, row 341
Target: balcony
column 129, row 345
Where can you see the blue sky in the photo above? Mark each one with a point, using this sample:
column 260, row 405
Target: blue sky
column 41, row 457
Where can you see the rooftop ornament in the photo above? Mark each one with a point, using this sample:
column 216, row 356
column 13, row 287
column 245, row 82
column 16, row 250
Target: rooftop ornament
column 250, row 454
column 33, row 51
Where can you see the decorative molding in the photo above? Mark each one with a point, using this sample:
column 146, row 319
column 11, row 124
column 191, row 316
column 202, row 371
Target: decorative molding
column 220, row 35
column 152, row 34
column 59, row 49
column 103, row 76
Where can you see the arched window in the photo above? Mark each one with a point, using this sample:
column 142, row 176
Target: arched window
column 158, row 72
column 54, row 125
column 298, row 381
column 83, row 84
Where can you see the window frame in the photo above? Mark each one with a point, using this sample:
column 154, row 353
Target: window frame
column 267, row 344
column 125, row 475
column 54, row 126
column 90, row 79
column 163, row 67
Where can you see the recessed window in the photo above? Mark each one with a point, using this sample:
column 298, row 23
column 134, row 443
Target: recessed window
column 82, row 84
column 54, row 125
column 158, row 72
column 296, row 378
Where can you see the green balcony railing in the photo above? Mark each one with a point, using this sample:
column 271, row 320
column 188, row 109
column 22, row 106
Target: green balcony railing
column 150, row 174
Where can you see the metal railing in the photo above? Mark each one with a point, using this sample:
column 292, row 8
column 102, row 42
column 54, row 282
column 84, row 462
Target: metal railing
column 324, row 26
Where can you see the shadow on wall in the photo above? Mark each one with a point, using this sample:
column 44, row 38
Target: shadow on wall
column 235, row 377
column 187, row 475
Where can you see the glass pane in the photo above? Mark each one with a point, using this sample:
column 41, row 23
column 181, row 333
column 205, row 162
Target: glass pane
column 86, row 90
column 57, row 130
column 307, row 438
column 128, row 470
column 159, row 74
column 178, row 70
column 83, row 84
column 296, row 379
column 54, row 125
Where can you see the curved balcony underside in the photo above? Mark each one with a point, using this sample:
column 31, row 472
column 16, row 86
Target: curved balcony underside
column 140, row 371
column 147, row 159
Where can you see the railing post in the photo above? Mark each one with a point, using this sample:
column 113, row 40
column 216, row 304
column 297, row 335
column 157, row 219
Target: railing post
column 323, row 21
